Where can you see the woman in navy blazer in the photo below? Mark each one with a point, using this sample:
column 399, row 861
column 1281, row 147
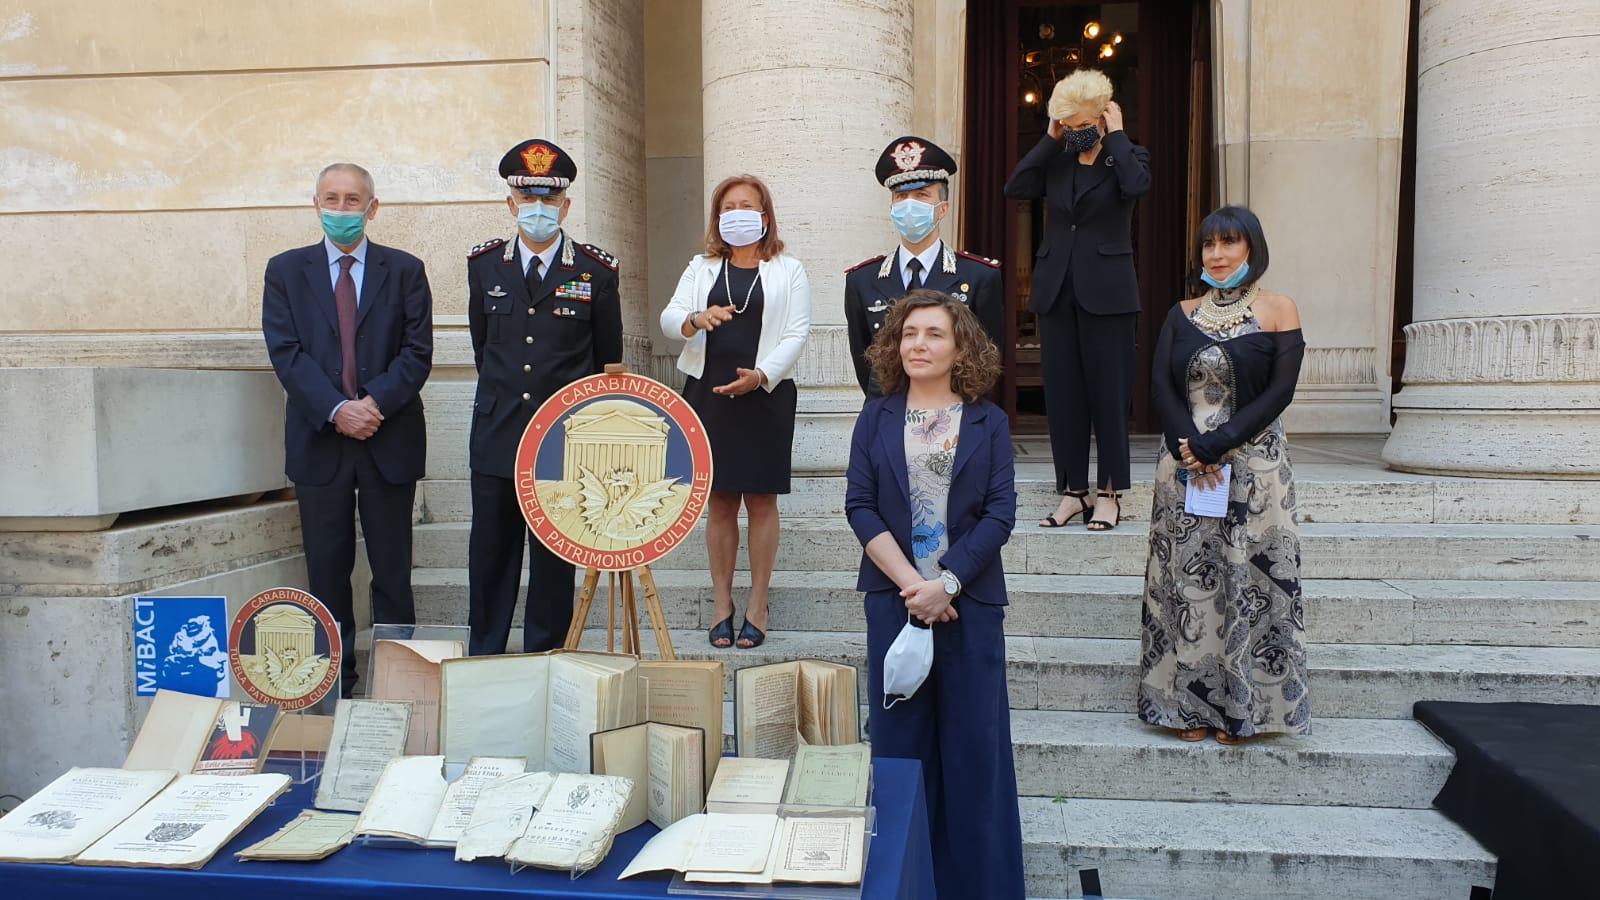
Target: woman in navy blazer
column 932, row 498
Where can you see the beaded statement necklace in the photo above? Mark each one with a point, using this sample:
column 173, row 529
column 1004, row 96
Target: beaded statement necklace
column 1215, row 315
column 728, row 286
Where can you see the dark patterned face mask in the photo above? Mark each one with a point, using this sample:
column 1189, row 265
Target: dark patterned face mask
column 1080, row 140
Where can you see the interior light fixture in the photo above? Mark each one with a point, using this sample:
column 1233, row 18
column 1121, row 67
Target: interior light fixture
column 1091, row 30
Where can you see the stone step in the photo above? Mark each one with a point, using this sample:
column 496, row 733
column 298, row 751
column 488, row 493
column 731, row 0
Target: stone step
column 1324, row 492
column 1348, row 681
column 1500, row 613
column 1245, row 851
column 1349, row 550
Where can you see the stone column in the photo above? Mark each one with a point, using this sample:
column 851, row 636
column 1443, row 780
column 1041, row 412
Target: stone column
column 1503, row 360
column 805, row 96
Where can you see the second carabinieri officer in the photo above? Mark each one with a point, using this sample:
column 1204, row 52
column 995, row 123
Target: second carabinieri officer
column 917, row 173
column 544, row 312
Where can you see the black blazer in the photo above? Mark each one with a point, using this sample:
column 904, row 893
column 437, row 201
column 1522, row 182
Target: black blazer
column 981, row 510
column 1088, row 228
column 530, row 343
column 394, row 348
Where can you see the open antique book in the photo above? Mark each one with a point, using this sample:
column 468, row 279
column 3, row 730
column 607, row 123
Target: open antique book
column 549, row 820
column 413, row 802
column 74, row 811
column 539, row 706
column 758, row 848
column 686, row 692
column 187, row 823
column 780, row 706
column 666, row 763
column 204, row 735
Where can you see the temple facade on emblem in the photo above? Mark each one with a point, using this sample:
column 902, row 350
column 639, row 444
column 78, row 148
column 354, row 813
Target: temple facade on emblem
column 286, row 627
column 613, row 435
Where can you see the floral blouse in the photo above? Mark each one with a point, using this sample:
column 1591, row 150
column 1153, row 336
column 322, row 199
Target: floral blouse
column 931, row 438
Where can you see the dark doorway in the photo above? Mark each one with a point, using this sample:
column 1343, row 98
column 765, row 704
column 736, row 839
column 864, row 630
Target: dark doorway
column 1157, row 54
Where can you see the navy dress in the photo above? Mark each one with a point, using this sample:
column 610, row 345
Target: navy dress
column 751, row 435
column 958, row 724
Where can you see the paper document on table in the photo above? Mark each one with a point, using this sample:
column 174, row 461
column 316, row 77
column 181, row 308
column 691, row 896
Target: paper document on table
column 74, row 811
column 1210, row 502
column 308, row 837
column 186, row 824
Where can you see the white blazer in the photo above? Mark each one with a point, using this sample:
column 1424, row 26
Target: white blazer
column 785, row 319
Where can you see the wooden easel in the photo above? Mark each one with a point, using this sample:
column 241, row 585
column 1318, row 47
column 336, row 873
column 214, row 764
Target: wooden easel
column 621, row 590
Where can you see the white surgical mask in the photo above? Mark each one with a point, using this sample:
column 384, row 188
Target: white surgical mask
column 740, row 227
column 907, row 663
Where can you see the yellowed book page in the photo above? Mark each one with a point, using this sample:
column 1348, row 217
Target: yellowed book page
column 407, row 799
column 301, row 733
column 733, row 842
column 307, row 837
column 668, row 850
column 502, row 814
column 625, row 752
column 462, row 795
column 409, row 670
column 574, row 829
column 764, row 709
column 831, row 775
column 174, row 733
column 367, row 734
column 846, row 706
column 749, row 780
column 574, row 714
column 74, row 811
column 821, row 851
column 494, row 706
column 687, row 693
column 690, row 794
column 186, row 824
column 661, row 777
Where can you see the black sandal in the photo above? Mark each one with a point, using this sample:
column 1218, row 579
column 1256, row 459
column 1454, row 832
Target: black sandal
column 749, row 632
column 1102, row 523
column 1084, row 506
column 722, row 631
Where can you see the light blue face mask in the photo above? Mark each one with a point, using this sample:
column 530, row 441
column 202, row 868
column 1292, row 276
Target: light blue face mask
column 538, row 221
column 344, row 228
column 1232, row 281
column 914, row 219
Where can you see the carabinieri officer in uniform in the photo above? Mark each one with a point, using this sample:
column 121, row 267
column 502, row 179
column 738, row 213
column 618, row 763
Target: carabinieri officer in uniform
column 917, row 173
column 544, row 312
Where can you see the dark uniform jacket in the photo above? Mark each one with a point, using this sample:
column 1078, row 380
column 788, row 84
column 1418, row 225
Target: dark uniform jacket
column 394, row 350
column 1088, row 229
column 528, row 344
column 873, row 285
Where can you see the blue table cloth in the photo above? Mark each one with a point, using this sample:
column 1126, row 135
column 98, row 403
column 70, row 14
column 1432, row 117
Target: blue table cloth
column 899, row 864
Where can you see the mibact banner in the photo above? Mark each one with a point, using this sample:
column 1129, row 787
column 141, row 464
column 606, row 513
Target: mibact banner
column 181, row 644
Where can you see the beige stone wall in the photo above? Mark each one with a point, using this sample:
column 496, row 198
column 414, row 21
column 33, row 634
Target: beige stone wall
column 156, row 154
column 675, row 193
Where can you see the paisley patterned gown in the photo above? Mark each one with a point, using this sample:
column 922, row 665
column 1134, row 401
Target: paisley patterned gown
column 1223, row 622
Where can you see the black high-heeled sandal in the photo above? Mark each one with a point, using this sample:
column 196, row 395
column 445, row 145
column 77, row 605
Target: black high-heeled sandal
column 749, row 632
column 1084, row 506
column 722, row 631
column 1102, row 523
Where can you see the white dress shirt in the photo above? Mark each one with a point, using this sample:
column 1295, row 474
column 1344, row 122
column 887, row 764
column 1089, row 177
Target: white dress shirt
column 929, row 258
column 357, row 272
column 546, row 259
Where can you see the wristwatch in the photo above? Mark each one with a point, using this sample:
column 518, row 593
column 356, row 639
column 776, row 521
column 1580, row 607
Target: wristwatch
column 952, row 584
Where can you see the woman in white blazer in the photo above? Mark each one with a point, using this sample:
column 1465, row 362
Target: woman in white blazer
column 745, row 309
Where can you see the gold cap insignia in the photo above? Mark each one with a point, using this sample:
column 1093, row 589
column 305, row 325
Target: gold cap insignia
column 538, row 159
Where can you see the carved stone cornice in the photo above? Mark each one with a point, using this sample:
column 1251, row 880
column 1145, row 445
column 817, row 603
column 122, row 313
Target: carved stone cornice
column 1514, row 349
column 1339, row 365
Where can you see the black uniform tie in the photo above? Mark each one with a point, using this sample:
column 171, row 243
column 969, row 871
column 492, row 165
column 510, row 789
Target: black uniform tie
column 916, row 273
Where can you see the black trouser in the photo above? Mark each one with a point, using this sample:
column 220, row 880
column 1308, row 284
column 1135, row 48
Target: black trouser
column 494, row 566
column 328, row 530
column 1088, row 364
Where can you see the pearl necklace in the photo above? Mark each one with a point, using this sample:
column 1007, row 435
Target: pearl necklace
column 1212, row 315
column 728, row 286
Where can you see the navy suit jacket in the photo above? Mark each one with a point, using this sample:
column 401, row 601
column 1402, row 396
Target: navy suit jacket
column 982, row 506
column 394, row 349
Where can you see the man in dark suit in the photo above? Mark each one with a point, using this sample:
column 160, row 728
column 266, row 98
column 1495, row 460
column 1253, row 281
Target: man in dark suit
column 544, row 312
column 917, row 173
column 349, row 328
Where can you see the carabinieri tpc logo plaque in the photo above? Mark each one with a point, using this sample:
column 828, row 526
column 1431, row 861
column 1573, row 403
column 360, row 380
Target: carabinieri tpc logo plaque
column 613, row 471
column 284, row 648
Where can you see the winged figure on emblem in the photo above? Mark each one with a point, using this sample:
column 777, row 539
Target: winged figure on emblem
column 617, row 505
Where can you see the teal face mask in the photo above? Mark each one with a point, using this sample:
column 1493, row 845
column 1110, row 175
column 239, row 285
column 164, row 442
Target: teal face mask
column 914, row 219
column 344, row 228
column 538, row 221
column 1232, row 281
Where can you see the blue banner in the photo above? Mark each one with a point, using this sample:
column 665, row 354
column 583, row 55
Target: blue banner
column 181, row 644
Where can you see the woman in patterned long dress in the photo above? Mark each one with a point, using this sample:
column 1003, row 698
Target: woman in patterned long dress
column 1223, row 622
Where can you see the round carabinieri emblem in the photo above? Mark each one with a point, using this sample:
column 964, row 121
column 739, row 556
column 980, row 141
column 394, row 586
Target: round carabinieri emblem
column 613, row 471
column 284, row 648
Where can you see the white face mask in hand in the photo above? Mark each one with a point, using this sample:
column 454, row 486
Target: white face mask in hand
column 907, row 663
